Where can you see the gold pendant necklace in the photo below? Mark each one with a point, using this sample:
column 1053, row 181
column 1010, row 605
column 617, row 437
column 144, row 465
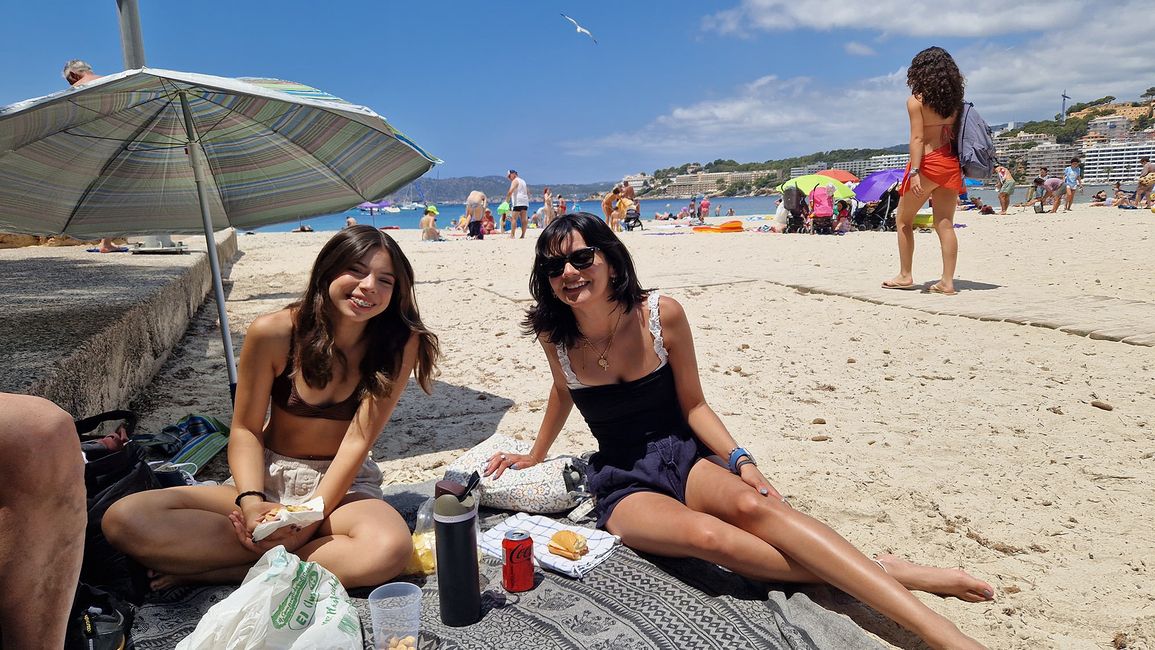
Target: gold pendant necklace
column 603, row 362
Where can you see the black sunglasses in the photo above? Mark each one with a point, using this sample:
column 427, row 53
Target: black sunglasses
column 582, row 258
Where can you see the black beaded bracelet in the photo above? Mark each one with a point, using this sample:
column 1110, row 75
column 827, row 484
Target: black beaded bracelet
column 250, row 493
column 743, row 462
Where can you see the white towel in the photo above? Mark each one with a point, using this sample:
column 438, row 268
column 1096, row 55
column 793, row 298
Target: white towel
column 541, row 529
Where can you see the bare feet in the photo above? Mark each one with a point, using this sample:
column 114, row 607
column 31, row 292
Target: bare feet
column 158, row 581
column 938, row 581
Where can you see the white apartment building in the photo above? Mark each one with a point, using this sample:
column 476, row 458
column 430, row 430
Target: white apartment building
column 709, row 182
column 1018, row 147
column 859, row 168
column 1052, row 156
column 638, row 181
column 889, row 161
column 1115, row 161
column 808, row 169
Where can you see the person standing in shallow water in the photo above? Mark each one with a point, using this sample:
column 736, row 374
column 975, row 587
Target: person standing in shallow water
column 934, row 105
column 668, row 476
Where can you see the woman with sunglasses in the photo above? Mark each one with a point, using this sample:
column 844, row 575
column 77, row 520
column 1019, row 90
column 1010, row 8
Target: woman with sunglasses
column 668, row 477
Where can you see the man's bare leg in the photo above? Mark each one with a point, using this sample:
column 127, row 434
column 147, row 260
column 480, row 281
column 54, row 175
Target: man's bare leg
column 42, row 520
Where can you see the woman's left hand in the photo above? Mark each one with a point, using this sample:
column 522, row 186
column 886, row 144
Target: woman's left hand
column 502, row 461
column 752, row 476
column 291, row 537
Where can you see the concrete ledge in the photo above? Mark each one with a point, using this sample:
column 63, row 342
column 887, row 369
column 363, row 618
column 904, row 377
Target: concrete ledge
column 89, row 330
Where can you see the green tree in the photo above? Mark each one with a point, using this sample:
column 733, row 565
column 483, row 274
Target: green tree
column 1148, row 94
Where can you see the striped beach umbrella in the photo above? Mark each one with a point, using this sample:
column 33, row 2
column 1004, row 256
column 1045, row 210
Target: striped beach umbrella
column 156, row 151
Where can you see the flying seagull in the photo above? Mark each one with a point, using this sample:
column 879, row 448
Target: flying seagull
column 580, row 29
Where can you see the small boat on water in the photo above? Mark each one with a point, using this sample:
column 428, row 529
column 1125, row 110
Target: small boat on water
column 412, row 205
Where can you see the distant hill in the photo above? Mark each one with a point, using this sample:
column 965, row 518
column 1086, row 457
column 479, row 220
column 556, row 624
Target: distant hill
column 454, row 190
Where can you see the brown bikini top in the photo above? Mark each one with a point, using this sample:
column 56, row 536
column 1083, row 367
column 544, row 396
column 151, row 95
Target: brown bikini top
column 286, row 397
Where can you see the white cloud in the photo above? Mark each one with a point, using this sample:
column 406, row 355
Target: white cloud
column 972, row 18
column 775, row 117
column 858, row 49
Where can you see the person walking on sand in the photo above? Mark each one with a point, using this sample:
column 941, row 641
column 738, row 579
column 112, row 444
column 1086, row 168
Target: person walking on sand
column 610, row 204
column 1073, row 181
column 936, row 87
column 475, row 208
column 518, row 197
column 668, row 477
column 318, row 382
column 1146, row 182
column 1006, row 188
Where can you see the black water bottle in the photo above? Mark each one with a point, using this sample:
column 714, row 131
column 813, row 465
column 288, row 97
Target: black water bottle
column 458, row 581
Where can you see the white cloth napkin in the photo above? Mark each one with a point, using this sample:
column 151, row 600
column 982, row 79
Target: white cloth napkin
column 541, row 529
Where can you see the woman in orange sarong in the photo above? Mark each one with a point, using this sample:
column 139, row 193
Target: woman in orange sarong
column 936, row 87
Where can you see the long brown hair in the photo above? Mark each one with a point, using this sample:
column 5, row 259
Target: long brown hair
column 387, row 333
column 934, row 78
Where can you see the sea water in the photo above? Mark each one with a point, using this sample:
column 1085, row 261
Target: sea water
column 743, row 206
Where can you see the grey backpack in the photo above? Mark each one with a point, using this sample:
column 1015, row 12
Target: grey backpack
column 976, row 147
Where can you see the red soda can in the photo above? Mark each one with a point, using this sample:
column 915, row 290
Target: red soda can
column 517, row 572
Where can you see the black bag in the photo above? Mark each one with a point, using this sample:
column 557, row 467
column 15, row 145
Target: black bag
column 98, row 621
column 108, row 477
column 792, row 199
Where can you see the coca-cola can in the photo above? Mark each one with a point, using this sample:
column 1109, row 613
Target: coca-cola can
column 517, row 551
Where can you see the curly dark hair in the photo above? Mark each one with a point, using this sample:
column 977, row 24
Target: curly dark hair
column 934, row 78
column 313, row 349
column 551, row 317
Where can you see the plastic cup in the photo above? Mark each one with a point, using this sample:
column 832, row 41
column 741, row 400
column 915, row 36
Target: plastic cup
column 396, row 612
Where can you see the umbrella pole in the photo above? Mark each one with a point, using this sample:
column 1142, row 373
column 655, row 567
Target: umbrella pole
column 196, row 156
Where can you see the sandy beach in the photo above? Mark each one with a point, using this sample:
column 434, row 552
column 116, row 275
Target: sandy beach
column 950, row 440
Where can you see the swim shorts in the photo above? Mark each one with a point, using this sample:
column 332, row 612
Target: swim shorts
column 293, row 481
column 521, row 208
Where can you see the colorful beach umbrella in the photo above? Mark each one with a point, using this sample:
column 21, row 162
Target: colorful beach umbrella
column 810, row 181
column 157, row 151
column 874, row 185
column 839, row 175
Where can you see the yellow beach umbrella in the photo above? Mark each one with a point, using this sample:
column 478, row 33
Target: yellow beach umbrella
column 810, row 181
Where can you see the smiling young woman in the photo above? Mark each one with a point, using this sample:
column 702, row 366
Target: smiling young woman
column 328, row 370
column 668, row 477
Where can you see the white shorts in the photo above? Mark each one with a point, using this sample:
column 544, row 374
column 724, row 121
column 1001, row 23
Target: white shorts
column 293, row 481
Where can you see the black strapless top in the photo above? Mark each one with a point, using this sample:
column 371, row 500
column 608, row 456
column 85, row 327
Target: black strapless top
column 286, row 398
column 624, row 417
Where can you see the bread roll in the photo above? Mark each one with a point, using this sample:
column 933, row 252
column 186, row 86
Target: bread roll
column 568, row 544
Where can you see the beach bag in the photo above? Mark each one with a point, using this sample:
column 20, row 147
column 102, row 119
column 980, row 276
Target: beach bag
column 976, row 148
column 554, row 485
column 110, row 475
column 283, row 603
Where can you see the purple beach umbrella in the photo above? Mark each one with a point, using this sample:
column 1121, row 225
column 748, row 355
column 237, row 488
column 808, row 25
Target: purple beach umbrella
column 875, row 185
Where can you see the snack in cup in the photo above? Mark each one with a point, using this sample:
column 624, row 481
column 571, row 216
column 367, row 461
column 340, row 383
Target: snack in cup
column 568, row 544
column 404, row 643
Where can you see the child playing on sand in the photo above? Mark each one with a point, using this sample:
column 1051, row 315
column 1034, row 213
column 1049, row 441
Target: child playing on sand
column 328, row 369
column 668, row 477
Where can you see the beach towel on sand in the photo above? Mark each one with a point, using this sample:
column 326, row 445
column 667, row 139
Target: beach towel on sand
column 631, row 601
column 541, row 529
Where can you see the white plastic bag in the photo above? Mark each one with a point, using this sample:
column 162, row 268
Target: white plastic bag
column 309, row 512
column 284, row 603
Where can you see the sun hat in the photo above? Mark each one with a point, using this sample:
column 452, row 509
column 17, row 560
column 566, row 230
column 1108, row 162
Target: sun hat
column 431, row 208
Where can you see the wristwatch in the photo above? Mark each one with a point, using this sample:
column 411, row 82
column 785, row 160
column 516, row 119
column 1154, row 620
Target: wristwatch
column 736, row 455
column 914, row 170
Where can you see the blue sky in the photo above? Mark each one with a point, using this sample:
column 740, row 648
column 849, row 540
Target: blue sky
column 489, row 85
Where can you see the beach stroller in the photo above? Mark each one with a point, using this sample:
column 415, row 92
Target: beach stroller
column 632, row 220
column 795, row 203
column 821, row 211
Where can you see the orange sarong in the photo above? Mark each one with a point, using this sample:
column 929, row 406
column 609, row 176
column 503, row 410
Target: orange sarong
column 940, row 166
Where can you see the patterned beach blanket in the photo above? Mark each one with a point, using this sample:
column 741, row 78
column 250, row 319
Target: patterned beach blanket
column 629, row 602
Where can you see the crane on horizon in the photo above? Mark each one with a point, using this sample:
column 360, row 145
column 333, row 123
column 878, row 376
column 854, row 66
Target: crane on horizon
column 1063, row 113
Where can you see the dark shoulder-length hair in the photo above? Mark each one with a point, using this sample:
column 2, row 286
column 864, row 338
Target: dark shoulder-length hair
column 549, row 316
column 934, row 78
column 387, row 333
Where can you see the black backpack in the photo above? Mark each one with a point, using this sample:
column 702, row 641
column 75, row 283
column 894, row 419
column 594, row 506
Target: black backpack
column 792, row 199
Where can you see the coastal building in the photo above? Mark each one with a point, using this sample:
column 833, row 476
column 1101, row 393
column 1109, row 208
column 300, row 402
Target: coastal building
column 996, row 129
column 1052, row 156
column 888, row 161
column 808, row 169
column 1112, row 126
column 638, row 181
column 1011, row 149
column 1115, row 161
column 687, row 185
column 859, row 168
